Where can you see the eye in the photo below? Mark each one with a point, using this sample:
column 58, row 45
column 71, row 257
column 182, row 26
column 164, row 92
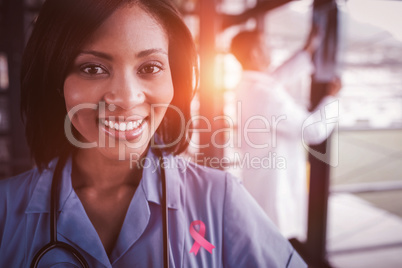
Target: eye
column 152, row 68
column 93, row 69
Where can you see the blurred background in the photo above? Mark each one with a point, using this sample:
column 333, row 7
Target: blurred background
column 355, row 205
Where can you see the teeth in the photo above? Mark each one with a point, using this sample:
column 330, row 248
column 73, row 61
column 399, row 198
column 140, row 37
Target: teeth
column 122, row 126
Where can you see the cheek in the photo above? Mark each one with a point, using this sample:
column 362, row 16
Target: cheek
column 162, row 101
column 162, row 104
column 163, row 93
column 79, row 103
column 72, row 95
column 78, row 91
column 169, row 92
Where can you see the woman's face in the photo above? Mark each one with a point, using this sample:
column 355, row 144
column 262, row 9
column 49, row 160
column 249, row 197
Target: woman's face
column 122, row 84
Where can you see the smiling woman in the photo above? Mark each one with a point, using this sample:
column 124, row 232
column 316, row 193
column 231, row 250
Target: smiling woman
column 92, row 45
column 124, row 63
column 120, row 74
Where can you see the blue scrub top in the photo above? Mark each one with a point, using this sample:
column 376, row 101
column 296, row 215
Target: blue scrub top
column 235, row 225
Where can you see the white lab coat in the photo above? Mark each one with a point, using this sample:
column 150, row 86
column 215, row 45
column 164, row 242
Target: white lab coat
column 273, row 157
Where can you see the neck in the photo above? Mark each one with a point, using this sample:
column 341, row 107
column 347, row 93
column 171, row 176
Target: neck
column 93, row 170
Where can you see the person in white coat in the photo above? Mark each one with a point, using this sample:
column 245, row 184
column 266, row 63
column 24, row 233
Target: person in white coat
column 272, row 129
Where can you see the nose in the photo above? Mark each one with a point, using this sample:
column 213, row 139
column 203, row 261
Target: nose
column 125, row 91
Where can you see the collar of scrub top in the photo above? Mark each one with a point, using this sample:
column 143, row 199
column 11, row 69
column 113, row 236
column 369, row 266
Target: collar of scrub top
column 71, row 209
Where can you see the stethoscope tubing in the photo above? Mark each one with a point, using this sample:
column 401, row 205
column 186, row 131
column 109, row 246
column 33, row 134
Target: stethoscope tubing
column 165, row 212
column 54, row 204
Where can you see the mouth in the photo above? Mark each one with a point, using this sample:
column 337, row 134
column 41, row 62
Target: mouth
column 122, row 126
column 128, row 130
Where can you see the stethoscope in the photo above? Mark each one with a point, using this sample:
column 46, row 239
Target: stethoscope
column 54, row 200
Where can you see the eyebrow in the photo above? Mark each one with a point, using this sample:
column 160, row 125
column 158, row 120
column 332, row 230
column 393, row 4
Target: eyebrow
column 140, row 54
column 97, row 54
column 147, row 52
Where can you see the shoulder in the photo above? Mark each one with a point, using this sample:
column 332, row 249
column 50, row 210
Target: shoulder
column 24, row 182
column 15, row 193
column 202, row 187
column 197, row 170
column 202, row 176
column 220, row 200
column 220, row 188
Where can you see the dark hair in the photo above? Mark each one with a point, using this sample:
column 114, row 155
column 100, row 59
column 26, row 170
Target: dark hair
column 61, row 29
column 242, row 43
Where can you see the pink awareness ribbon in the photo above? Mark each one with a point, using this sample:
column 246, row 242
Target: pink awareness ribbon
column 200, row 241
